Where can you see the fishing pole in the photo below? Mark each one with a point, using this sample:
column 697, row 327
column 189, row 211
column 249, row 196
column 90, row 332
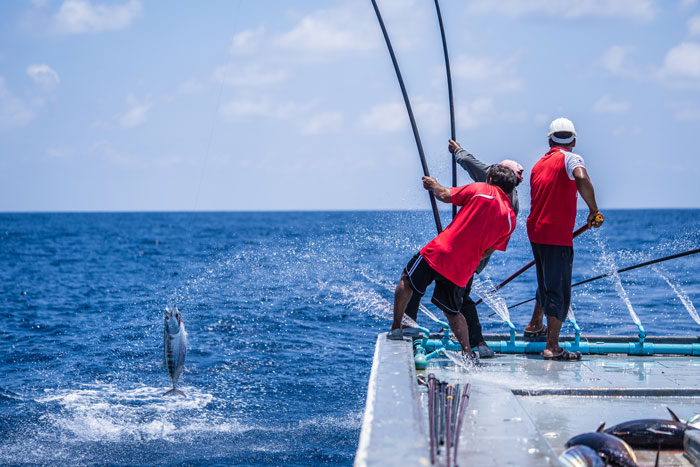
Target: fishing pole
column 426, row 172
column 462, row 409
column 578, row 232
column 431, row 415
column 628, row 268
column 453, row 131
column 449, row 401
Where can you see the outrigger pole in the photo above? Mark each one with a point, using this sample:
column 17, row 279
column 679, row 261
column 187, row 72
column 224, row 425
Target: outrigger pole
column 453, row 131
column 628, row 268
column 426, row 172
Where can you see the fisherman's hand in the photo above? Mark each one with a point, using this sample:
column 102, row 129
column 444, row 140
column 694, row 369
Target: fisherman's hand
column 430, row 183
column 453, row 146
column 595, row 219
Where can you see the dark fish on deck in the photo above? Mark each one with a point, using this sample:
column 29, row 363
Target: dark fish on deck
column 652, row 433
column 580, row 456
column 611, row 449
column 174, row 346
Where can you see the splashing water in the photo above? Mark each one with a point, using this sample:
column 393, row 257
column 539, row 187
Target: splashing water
column 406, row 319
column 457, row 359
column 485, row 289
column 609, row 264
column 680, row 293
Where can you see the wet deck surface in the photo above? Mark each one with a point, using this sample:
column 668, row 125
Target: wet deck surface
column 523, row 409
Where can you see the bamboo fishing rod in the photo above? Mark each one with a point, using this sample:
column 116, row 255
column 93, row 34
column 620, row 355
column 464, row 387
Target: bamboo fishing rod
column 453, row 130
column 426, row 172
column 578, row 232
column 628, row 268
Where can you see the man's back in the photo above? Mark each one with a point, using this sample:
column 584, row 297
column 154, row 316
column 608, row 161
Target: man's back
column 485, row 221
column 552, row 200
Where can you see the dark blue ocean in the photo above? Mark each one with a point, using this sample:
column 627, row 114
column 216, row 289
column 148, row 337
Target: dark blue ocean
column 282, row 311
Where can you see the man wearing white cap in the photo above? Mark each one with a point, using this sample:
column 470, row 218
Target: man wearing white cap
column 554, row 183
column 477, row 171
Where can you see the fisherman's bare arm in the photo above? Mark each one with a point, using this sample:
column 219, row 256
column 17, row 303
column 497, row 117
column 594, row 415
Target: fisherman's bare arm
column 442, row 193
column 585, row 187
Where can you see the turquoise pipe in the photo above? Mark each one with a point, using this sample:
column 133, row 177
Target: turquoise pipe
column 588, row 348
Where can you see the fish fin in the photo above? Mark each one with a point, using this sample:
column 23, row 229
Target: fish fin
column 175, row 391
column 600, row 428
column 673, row 415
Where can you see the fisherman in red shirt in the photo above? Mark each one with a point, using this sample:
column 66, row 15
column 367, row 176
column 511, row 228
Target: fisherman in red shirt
column 483, row 224
column 554, row 182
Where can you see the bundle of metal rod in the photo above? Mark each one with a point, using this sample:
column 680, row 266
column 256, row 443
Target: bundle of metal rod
column 431, row 415
column 449, row 429
column 463, row 403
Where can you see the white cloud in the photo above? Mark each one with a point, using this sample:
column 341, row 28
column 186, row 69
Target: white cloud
column 682, row 62
column 472, row 114
column 606, row 104
column 431, row 117
column 14, row 112
column 248, row 75
column 43, row 75
column 639, row 10
column 81, row 16
column 248, row 41
column 137, row 113
column 385, row 118
column 191, row 86
column 687, row 114
column 494, row 74
column 59, row 153
column 328, row 32
column 263, row 107
column 694, row 26
column 323, row 123
column 615, row 60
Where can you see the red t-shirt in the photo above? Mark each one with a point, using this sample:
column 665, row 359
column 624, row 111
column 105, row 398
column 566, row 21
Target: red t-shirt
column 552, row 201
column 485, row 221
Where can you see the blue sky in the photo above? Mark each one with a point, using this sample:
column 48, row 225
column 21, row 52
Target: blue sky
column 273, row 105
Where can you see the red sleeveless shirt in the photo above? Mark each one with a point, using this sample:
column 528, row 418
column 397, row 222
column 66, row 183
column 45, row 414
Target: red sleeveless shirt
column 552, row 201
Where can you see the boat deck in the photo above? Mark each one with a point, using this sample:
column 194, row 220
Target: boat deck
column 522, row 408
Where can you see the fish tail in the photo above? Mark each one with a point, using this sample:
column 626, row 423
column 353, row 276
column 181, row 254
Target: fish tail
column 175, row 391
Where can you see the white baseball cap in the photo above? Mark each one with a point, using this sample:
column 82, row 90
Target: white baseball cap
column 562, row 125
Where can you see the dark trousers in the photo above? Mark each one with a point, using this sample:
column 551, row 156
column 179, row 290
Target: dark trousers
column 554, row 264
column 468, row 310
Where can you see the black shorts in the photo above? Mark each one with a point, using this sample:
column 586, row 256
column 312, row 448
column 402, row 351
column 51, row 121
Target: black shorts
column 447, row 296
column 553, row 264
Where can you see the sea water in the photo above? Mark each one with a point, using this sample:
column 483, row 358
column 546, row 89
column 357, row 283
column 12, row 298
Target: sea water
column 282, row 321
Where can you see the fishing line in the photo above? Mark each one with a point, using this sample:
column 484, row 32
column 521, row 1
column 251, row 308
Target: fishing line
column 578, row 232
column 213, row 122
column 426, row 172
column 453, row 131
column 628, row 268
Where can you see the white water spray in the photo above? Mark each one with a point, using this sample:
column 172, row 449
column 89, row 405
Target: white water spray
column 680, row 293
column 406, row 319
column 487, row 292
column 609, row 265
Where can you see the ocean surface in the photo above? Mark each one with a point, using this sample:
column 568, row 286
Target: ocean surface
column 282, row 311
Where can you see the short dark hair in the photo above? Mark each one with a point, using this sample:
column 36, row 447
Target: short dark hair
column 502, row 177
column 561, row 135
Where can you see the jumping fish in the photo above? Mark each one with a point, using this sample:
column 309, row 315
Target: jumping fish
column 652, row 433
column 174, row 346
column 580, row 456
column 611, row 449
